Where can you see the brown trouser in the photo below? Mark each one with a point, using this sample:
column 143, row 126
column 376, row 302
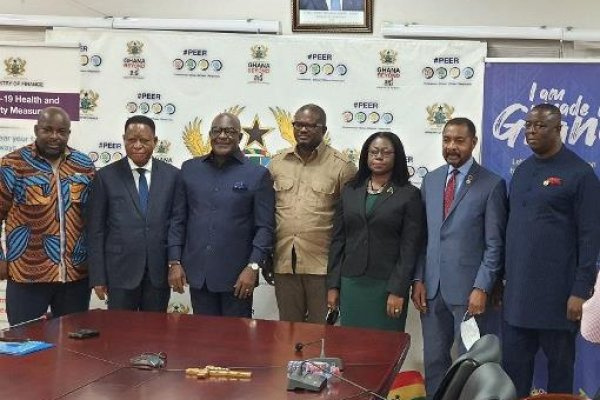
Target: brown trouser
column 301, row 297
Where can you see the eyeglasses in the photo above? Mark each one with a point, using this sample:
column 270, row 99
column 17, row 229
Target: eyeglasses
column 385, row 153
column 229, row 132
column 536, row 126
column 308, row 127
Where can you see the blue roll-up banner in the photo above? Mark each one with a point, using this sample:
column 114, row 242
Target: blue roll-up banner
column 511, row 89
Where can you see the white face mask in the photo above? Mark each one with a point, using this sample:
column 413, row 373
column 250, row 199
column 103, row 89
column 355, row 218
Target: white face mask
column 469, row 331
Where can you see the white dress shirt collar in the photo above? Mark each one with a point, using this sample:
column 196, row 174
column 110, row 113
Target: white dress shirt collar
column 136, row 174
column 134, row 167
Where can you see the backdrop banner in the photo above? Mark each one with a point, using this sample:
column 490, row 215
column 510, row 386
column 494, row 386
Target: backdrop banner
column 510, row 90
column 182, row 80
column 33, row 77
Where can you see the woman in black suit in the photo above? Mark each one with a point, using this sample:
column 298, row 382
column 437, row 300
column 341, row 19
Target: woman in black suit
column 377, row 234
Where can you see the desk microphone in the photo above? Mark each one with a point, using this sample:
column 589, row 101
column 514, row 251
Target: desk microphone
column 316, row 382
column 299, row 346
column 4, row 330
column 341, row 378
column 335, row 361
column 42, row 318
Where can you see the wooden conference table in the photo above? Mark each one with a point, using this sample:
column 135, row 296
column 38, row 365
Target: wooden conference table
column 97, row 368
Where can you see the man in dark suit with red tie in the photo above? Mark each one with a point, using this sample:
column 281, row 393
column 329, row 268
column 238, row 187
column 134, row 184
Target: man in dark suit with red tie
column 128, row 219
column 466, row 220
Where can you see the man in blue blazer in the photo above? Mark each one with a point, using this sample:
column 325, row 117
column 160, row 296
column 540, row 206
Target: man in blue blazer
column 324, row 5
column 129, row 213
column 466, row 221
column 222, row 231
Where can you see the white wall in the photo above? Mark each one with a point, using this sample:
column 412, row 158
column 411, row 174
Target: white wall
column 579, row 14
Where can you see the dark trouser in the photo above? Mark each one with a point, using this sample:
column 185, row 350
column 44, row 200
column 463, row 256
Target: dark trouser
column 519, row 347
column 441, row 329
column 205, row 302
column 145, row 297
column 27, row 301
column 301, row 297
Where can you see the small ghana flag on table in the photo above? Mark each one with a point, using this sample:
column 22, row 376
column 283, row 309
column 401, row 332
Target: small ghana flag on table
column 408, row 385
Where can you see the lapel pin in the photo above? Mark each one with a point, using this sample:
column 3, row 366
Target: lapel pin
column 553, row 181
column 390, row 190
column 469, row 179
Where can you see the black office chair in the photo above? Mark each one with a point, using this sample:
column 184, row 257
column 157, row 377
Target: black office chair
column 485, row 351
column 489, row 382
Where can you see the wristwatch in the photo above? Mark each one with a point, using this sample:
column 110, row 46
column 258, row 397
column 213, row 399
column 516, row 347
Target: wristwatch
column 254, row 266
column 172, row 263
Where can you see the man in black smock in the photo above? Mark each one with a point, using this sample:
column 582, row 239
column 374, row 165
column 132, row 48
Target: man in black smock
column 552, row 244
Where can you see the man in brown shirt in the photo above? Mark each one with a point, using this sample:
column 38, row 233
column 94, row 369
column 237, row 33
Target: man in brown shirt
column 308, row 181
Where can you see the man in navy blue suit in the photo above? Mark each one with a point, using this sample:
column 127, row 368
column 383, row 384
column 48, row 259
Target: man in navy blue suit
column 333, row 5
column 129, row 215
column 466, row 220
column 552, row 244
column 223, row 225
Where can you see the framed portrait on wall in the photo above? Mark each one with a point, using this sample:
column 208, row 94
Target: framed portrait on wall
column 332, row 16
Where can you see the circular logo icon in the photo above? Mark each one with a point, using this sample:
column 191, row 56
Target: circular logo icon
column 96, row 60
column 178, row 63
column 190, row 63
column 468, row 72
column 441, row 72
column 217, row 65
column 427, row 72
column 84, row 60
column 422, row 171
column 105, row 157
column 374, row 117
column 203, row 64
column 454, row 72
column 361, row 117
column 131, row 107
column 170, row 108
column 328, row 69
column 301, row 68
column 315, row 69
column 411, row 171
column 387, row 118
column 342, row 69
column 348, row 117
column 117, row 156
column 144, row 108
column 157, row 108
column 93, row 156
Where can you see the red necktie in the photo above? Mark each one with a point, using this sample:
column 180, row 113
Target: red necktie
column 449, row 192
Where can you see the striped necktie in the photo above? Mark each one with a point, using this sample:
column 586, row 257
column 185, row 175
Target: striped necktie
column 449, row 192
